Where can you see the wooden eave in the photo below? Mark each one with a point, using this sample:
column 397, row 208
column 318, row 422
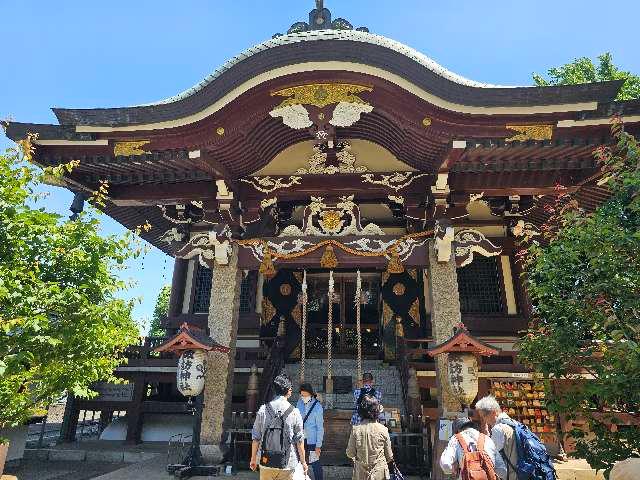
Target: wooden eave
column 345, row 46
column 252, row 137
column 463, row 341
column 190, row 338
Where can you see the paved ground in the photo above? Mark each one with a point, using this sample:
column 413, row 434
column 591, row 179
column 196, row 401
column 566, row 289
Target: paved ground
column 45, row 470
column 154, row 468
column 577, row 470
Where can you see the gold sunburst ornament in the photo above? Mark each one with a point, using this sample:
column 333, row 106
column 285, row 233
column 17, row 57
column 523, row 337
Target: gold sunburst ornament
column 399, row 289
column 331, row 220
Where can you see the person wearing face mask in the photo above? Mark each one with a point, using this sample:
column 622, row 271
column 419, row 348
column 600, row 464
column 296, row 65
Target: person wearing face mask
column 313, row 421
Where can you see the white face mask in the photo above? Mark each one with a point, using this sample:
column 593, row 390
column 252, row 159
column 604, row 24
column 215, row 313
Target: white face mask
column 306, row 399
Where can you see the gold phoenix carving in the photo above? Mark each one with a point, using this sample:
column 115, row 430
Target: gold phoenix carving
column 530, row 132
column 322, row 94
column 130, row 148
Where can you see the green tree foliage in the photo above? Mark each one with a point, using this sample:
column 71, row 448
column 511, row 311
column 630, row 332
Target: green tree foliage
column 160, row 312
column 585, row 287
column 583, row 70
column 62, row 325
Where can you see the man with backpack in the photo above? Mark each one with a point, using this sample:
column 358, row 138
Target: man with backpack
column 313, row 423
column 360, row 393
column 471, row 455
column 523, row 452
column 278, row 436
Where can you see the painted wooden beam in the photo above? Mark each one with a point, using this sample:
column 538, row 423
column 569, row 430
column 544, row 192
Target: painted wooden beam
column 164, row 194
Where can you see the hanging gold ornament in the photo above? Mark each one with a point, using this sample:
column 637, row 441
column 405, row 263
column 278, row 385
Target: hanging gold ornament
column 395, row 264
column 329, row 259
column 266, row 266
column 399, row 327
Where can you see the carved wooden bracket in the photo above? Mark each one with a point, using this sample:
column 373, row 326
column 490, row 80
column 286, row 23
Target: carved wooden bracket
column 211, row 247
column 469, row 241
column 443, row 235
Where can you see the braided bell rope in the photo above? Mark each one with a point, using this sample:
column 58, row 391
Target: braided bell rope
column 330, row 328
column 303, row 353
column 358, row 330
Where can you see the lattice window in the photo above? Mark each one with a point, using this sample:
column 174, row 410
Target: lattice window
column 480, row 286
column 245, row 294
column 202, row 287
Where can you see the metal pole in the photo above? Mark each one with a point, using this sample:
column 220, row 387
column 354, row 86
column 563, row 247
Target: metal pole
column 194, row 458
column 44, row 426
column 84, row 419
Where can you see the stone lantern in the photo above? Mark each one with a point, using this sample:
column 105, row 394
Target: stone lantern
column 190, row 344
column 463, row 351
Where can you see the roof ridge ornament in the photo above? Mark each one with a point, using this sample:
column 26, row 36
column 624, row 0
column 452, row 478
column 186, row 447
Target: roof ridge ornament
column 320, row 19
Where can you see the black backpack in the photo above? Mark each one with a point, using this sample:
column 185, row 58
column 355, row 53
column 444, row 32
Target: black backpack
column 276, row 444
column 364, row 391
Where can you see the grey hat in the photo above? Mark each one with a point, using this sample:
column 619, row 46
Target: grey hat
column 461, row 423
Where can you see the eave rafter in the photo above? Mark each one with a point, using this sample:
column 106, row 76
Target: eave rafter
column 242, row 137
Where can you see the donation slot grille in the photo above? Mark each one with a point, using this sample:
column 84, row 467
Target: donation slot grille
column 202, row 296
column 480, row 287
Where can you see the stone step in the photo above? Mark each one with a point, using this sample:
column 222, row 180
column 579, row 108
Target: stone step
column 90, row 454
column 338, row 472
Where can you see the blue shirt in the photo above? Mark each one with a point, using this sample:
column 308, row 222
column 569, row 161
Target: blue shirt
column 355, row 418
column 314, row 426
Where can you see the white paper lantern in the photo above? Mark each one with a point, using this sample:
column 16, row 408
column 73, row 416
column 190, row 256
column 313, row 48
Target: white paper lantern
column 190, row 374
column 463, row 376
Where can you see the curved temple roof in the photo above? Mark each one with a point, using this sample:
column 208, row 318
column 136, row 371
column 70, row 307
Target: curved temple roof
column 347, row 47
column 318, row 35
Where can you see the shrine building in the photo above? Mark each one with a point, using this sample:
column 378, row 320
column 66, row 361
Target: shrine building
column 336, row 203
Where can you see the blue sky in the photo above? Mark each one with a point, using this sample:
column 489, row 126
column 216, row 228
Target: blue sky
column 103, row 54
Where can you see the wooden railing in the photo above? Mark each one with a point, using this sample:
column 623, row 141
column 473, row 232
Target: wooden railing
column 246, row 357
column 143, row 353
column 412, row 445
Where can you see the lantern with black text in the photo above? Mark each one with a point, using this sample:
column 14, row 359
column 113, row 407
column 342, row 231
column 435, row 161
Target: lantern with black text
column 191, row 344
column 462, row 363
column 190, row 374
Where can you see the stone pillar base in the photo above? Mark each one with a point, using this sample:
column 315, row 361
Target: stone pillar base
column 211, row 454
column 440, row 445
column 445, row 316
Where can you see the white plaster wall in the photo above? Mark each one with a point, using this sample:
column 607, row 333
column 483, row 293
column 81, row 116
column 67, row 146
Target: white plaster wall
column 17, row 437
column 155, row 427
